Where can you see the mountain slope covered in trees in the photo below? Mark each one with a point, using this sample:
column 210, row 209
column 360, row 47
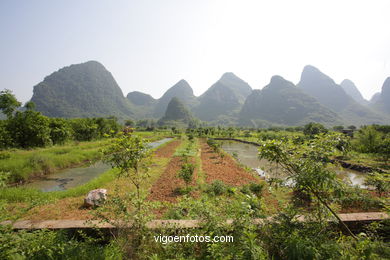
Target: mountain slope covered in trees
column 283, row 103
column 89, row 90
column 223, row 98
column 333, row 96
column 176, row 114
column 182, row 90
column 81, row 90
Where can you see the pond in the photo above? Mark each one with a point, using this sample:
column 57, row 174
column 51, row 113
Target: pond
column 247, row 155
column 72, row 177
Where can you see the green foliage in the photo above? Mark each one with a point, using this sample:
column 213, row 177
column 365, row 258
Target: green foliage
column 29, row 129
column 217, row 188
column 356, row 198
column 45, row 244
column 8, row 102
column 281, row 102
column 381, row 182
column 23, row 164
column 186, row 172
column 367, row 139
column 306, row 167
column 81, row 90
column 60, row 130
column 338, row 128
column 313, row 129
column 131, row 155
column 4, row 176
column 129, row 123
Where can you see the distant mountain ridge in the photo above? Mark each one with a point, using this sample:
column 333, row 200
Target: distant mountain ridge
column 176, row 114
column 182, row 90
column 333, row 96
column 350, row 88
column 283, row 103
column 223, row 98
column 382, row 100
column 89, row 90
column 81, row 90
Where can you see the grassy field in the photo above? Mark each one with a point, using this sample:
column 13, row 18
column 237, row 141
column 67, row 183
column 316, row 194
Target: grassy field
column 221, row 189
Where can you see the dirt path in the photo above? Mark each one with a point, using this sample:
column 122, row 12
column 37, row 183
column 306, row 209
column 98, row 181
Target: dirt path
column 167, row 150
column 224, row 169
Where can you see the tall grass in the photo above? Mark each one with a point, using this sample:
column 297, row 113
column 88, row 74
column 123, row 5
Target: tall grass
column 23, row 164
column 21, row 194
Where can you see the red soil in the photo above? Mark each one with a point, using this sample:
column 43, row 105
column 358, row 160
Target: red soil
column 167, row 150
column 224, row 169
column 164, row 188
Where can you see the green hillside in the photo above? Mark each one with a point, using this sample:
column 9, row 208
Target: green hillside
column 81, row 90
column 281, row 102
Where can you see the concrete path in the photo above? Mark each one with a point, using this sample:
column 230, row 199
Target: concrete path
column 157, row 224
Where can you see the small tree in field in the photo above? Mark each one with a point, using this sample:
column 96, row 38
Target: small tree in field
column 186, row 172
column 131, row 155
column 306, row 167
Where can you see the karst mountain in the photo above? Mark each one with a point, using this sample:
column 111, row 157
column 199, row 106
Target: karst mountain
column 89, row 90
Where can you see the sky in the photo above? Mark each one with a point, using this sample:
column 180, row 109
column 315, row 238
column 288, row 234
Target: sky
column 148, row 46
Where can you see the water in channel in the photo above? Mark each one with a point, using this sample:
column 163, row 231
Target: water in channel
column 247, row 155
column 72, row 177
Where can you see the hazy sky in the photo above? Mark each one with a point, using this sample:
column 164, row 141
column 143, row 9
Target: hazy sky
column 150, row 45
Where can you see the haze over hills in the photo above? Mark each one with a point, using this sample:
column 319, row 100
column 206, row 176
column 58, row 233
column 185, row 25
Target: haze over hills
column 283, row 103
column 223, row 98
column 88, row 90
column 350, row 88
column 382, row 101
column 140, row 99
column 333, row 96
column 375, row 98
column 181, row 90
column 176, row 113
column 82, row 90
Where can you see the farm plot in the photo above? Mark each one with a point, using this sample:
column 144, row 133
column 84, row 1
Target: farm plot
column 223, row 168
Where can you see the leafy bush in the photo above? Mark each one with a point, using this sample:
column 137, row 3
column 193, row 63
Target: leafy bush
column 45, row 244
column 313, row 129
column 186, row 172
column 217, row 188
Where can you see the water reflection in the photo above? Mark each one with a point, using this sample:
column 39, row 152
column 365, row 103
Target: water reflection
column 72, row 177
column 247, row 155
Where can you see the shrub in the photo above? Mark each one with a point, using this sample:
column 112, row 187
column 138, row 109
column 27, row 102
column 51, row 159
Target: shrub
column 217, row 188
column 186, row 172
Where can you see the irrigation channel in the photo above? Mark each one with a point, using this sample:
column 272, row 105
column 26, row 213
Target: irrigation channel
column 72, row 177
column 247, row 154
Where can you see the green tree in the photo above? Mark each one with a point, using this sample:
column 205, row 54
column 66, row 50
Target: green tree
column 306, row 167
column 312, row 129
column 29, row 129
column 338, row 128
column 381, row 182
column 30, row 105
column 131, row 155
column 129, row 123
column 5, row 136
column 367, row 139
column 60, row 130
column 186, row 172
column 8, row 102
column 84, row 129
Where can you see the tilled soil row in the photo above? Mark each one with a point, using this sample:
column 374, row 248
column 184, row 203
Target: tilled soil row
column 224, row 169
column 168, row 150
column 164, row 188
